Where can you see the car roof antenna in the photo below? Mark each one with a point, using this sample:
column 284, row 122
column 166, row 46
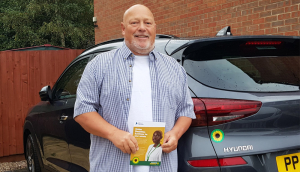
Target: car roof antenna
column 224, row 32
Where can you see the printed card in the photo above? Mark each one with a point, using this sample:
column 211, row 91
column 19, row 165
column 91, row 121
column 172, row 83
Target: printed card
column 150, row 136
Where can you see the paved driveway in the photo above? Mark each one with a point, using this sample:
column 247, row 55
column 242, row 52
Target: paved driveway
column 20, row 170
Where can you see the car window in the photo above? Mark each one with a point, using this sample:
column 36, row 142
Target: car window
column 173, row 44
column 160, row 46
column 246, row 65
column 66, row 87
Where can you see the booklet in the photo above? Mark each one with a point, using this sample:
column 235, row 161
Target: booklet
column 150, row 136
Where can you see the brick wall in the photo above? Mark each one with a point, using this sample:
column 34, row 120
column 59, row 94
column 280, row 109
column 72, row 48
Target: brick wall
column 204, row 17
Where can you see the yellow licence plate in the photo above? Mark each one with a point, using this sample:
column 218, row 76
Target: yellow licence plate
column 288, row 163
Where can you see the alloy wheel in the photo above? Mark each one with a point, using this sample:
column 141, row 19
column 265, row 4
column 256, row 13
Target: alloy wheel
column 29, row 155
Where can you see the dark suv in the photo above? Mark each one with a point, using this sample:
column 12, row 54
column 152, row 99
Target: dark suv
column 246, row 99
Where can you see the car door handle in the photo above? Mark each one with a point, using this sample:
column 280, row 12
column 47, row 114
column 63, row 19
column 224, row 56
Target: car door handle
column 63, row 117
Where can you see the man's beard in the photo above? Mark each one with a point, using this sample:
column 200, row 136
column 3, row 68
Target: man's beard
column 142, row 50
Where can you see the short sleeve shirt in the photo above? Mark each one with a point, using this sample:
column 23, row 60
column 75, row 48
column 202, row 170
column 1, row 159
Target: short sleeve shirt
column 104, row 88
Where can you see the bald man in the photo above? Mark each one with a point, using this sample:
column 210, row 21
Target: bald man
column 132, row 83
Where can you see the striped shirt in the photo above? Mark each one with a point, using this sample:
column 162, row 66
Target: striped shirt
column 105, row 88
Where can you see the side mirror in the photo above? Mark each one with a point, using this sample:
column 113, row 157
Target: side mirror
column 45, row 93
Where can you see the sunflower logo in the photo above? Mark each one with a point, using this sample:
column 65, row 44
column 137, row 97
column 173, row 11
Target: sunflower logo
column 217, row 135
column 135, row 160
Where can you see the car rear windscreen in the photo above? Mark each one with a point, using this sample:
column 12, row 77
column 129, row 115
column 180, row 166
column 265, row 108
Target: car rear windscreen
column 251, row 65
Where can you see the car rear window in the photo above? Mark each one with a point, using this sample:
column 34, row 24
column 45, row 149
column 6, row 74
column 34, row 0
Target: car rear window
column 251, row 65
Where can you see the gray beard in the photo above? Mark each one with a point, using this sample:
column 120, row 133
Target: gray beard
column 145, row 51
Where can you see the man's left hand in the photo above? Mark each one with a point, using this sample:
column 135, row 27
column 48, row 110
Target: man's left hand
column 170, row 142
column 171, row 137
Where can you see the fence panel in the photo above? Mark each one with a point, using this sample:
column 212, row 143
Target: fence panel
column 22, row 75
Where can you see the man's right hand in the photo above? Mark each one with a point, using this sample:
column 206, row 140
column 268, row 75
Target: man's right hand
column 124, row 141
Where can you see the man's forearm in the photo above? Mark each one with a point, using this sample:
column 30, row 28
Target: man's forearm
column 181, row 125
column 93, row 123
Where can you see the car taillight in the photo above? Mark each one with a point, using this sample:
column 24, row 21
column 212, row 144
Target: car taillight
column 263, row 43
column 204, row 163
column 217, row 111
column 232, row 161
column 199, row 109
column 217, row 162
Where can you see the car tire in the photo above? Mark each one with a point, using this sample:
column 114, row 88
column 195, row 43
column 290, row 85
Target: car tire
column 31, row 156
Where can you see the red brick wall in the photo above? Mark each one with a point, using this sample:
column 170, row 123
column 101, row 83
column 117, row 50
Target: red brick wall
column 204, row 17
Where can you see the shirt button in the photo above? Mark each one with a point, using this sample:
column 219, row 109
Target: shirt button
column 129, row 80
column 130, row 65
column 127, row 99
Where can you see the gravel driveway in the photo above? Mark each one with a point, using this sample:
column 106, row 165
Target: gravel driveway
column 20, row 166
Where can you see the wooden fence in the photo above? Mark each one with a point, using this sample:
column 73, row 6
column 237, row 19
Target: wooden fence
column 22, row 75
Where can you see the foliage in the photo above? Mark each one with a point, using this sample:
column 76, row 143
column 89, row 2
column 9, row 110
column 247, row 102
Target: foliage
column 65, row 23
